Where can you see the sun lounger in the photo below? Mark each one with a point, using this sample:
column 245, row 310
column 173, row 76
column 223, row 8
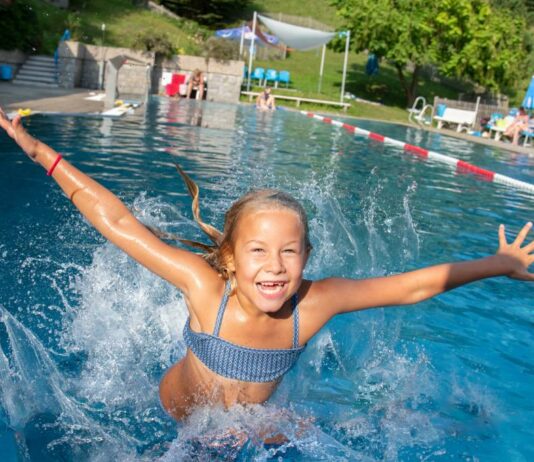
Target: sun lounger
column 460, row 117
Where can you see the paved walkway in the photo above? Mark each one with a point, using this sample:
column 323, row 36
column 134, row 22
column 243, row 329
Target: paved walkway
column 502, row 145
column 13, row 97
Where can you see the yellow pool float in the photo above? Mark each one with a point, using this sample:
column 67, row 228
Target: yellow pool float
column 24, row 112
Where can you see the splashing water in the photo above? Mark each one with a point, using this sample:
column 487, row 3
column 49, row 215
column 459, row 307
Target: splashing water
column 86, row 333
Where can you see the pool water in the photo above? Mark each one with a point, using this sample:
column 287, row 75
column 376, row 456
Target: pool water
column 86, row 333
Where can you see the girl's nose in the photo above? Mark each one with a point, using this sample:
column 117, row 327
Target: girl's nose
column 275, row 263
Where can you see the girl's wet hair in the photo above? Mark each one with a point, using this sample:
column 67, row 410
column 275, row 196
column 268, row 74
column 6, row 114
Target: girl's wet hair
column 219, row 253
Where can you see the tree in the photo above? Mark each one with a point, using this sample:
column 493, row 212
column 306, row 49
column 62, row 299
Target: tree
column 208, row 12
column 461, row 38
column 15, row 32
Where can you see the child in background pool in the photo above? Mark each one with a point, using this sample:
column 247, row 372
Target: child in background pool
column 265, row 100
column 251, row 312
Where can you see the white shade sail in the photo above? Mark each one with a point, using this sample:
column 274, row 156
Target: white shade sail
column 300, row 38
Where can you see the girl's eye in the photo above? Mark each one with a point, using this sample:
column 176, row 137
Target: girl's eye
column 290, row 251
column 257, row 249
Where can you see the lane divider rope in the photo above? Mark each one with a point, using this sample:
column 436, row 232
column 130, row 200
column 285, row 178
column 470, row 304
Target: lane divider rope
column 459, row 165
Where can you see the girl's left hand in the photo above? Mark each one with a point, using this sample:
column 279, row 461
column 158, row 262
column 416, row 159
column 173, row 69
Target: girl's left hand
column 520, row 257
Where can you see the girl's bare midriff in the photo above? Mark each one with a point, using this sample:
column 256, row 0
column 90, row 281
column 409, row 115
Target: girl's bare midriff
column 189, row 383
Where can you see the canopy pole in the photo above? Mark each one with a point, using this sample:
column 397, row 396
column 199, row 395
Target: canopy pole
column 345, row 67
column 242, row 41
column 321, row 70
column 251, row 51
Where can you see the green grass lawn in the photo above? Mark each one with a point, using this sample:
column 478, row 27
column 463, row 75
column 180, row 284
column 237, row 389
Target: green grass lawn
column 383, row 88
column 124, row 22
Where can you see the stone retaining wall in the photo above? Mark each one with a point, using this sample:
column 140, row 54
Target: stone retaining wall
column 224, row 79
column 83, row 66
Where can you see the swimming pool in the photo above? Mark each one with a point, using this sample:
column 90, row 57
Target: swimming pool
column 85, row 333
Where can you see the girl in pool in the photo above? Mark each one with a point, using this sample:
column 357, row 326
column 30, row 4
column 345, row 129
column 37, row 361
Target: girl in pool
column 251, row 311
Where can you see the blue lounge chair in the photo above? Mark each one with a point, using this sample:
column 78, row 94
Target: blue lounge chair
column 527, row 135
column 271, row 76
column 283, row 77
column 258, row 74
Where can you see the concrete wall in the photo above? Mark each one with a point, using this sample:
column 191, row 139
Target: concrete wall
column 224, row 79
column 14, row 58
column 83, row 66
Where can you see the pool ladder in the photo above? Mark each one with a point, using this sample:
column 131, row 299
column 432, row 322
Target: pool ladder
column 418, row 112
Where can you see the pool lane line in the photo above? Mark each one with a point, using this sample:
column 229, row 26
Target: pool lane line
column 459, row 165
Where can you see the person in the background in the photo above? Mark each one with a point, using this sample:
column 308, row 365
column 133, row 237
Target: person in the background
column 196, row 82
column 265, row 100
column 519, row 124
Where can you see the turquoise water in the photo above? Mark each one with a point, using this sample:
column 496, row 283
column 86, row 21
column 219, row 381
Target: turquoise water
column 85, row 333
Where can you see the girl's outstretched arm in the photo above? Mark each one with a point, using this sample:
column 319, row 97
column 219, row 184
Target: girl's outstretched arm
column 111, row 217
column 512, row 260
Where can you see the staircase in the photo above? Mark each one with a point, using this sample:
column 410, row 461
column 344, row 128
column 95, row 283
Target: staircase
column 39, row 71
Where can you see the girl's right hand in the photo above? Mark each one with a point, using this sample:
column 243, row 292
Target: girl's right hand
column 15, row 130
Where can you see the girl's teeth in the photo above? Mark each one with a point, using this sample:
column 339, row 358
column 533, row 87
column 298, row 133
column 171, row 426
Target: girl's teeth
column 271, row 285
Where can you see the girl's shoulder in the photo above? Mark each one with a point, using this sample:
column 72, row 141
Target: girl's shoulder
column 314, row 302
column 203, row 302
column 316, row 296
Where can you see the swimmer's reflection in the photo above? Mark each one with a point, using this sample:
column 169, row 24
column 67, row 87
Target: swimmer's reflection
column 194, row 115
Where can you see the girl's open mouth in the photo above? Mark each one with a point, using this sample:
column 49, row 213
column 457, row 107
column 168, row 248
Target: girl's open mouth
column 271, row 287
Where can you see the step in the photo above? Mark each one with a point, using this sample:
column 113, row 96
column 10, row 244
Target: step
column 41, row 59
column 34, row 80
column 38, row 66
column 36, row 73
column 36, row 84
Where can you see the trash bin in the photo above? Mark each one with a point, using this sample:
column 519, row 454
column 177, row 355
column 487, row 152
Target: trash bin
column 6, row 72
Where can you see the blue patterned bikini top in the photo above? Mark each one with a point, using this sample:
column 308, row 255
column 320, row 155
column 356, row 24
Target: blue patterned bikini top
column 239, row 362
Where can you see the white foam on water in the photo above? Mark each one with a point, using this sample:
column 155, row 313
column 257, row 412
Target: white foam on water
column 126, row 329
column 213, row 433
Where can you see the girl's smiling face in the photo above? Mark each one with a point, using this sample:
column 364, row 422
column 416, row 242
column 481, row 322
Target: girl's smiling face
column 269, row 256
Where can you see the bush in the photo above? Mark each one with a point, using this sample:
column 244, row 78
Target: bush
column 221, row 49
column 157, row 42
column 20, row 28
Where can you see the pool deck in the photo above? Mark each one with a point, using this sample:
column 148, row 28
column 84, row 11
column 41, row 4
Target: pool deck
column 50, row 99
column 44, row 99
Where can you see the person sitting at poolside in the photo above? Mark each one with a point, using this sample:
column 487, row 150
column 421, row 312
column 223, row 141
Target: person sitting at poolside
column 265, row 100
column 196, row 82
column 251, row 310
column 519, row 124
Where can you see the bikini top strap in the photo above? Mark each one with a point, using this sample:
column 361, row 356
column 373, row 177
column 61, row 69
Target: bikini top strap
column 222, row 307
column 295, row 321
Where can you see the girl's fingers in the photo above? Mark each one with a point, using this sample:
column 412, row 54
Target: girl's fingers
column 522, row 234
column 502, row 237
column 16, row 121
column 529, row 247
